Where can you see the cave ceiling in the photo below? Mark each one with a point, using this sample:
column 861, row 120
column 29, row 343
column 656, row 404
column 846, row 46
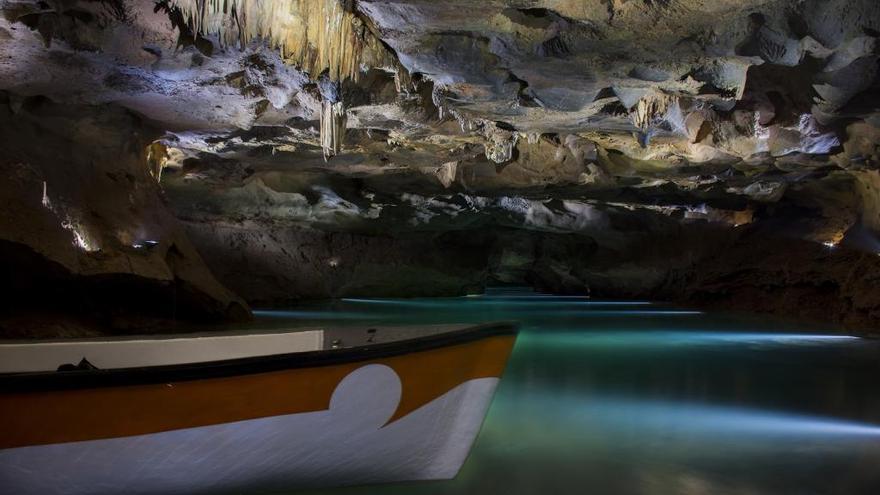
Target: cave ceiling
column 556, row 115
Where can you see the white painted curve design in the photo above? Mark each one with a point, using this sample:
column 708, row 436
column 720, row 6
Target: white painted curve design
column 349, row 443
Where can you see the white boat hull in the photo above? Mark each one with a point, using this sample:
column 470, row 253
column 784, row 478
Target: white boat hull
column 346, row 444
column 412, row 416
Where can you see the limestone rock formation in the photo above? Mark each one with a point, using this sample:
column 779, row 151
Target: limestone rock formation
column 721, row 153
column 86, row 230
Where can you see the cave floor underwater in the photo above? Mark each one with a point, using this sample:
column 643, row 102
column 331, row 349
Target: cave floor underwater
column 635, row 397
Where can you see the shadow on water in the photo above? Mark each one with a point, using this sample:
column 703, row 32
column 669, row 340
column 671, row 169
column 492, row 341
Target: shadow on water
column 632, row 397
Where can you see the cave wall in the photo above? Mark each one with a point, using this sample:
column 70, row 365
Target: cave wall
column 791, row 278
column 272, row 266
column 85, row 230
column 698, row 265
column 709, row 153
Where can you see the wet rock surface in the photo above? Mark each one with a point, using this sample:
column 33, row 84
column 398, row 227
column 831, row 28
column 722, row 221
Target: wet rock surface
column 710, row 153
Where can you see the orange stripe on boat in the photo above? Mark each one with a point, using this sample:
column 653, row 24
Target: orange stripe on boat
column 39, row 418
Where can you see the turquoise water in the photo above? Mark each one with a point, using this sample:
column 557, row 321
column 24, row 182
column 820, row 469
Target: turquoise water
column 630, row 397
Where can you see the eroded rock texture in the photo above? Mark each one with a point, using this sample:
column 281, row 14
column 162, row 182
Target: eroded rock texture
column 717, row 153
column 85, row 229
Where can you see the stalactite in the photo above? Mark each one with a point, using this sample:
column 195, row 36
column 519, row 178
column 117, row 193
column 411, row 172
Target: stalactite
column 403, row 81
column 500, row 143
column 652, row 109
column 314, row 35
column 333, row 120
column 446, row 173
column 47, row 203
column 157, row 157
column 321, row 37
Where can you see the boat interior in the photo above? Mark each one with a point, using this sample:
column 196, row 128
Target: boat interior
column 160, row 350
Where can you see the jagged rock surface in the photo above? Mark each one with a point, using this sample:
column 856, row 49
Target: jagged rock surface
column 722, row 153
column 85, row 230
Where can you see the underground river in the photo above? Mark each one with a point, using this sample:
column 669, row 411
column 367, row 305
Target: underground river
column 633, row 397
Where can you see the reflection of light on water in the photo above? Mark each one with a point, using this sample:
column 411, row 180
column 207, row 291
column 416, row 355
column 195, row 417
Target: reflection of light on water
column 661, row 338
column 500, row 295
column 596, row 402
column 603, row 412
column 379, row 301
column 315, row 315
column 528, row 309
column 603, row 312
column 566, row 299
column 479, row 300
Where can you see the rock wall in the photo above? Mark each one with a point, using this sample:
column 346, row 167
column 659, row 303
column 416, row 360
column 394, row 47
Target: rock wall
column 759, row 267
column 85, row 233
column 275, row 266
column 790, row 278
column 721, row 153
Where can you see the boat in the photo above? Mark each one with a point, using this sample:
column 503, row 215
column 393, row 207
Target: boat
column 250, row 411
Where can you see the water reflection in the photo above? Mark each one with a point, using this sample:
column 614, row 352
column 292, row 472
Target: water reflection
column 738, row 425
column 312, row 315
column 505, row 300
column 660, row 338
column 632, row 397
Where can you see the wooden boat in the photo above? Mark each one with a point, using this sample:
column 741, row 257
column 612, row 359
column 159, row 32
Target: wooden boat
column 234, row 412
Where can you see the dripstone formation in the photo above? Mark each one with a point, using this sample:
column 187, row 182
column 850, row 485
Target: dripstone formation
column 182, row 160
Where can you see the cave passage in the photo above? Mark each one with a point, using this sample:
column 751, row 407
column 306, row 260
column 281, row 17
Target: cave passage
column 678, row 201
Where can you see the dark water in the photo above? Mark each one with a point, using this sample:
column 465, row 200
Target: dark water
column 636, row 398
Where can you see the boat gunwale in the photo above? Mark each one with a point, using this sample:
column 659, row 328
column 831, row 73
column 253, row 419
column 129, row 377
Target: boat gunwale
column 44, row 381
